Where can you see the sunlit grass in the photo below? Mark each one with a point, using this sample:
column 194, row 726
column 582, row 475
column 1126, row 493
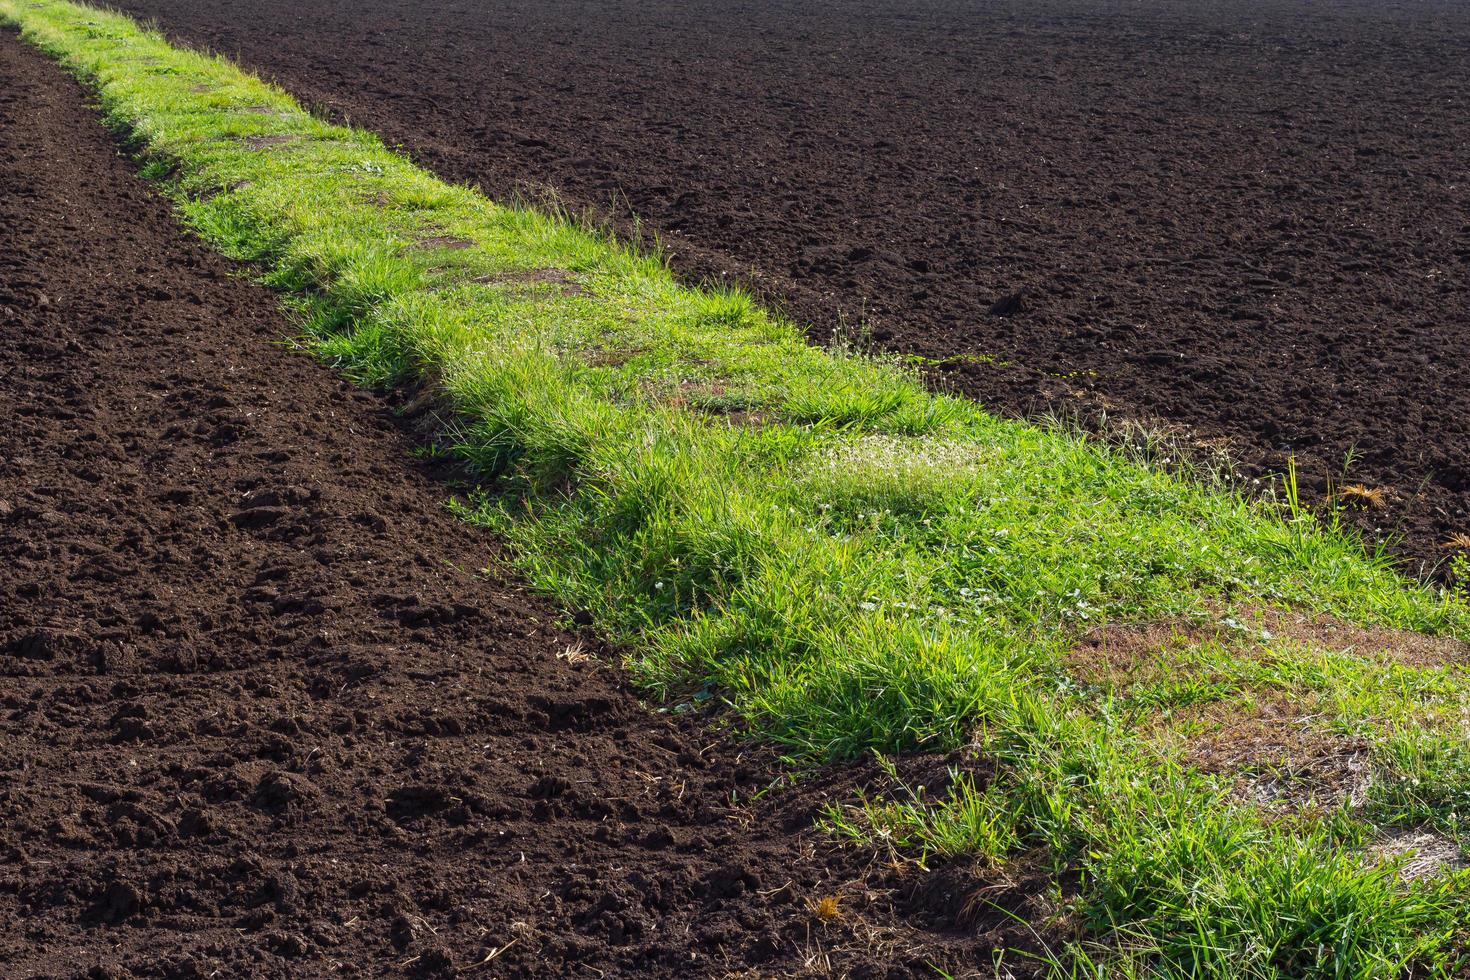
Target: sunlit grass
column 853, row 562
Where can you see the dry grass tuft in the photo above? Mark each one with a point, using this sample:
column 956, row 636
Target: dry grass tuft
column 825, row 909
column 1459, row 541
column 1357, row 495
column 575, row 654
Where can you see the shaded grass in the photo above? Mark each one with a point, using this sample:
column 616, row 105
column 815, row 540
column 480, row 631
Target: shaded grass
column 854, row 563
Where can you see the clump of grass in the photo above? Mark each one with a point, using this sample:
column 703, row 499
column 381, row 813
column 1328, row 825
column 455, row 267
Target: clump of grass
column 827, row 908
column 855, row 564
column 1358, row 495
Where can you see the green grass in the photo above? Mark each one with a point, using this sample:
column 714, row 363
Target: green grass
column 852, row 562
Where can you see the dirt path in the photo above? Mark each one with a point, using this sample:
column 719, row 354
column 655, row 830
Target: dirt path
column 1247, row 217
column 259, row 715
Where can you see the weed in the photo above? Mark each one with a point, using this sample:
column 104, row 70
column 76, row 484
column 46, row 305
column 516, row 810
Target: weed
column 575, row 654
column 1357, row 495
column 828, row 908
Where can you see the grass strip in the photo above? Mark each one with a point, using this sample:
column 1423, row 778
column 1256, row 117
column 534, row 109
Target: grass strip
column 852, row 562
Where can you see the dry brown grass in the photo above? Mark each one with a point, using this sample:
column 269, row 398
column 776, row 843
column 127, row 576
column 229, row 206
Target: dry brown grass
column 1274, row 744
column 276, row 139
column 558, row 281
column 1122, row 655
column 453, row 242
column 827, row 908
column 1424, row 853
column 1278, row 754
column 1357, row 495
column 575, row 653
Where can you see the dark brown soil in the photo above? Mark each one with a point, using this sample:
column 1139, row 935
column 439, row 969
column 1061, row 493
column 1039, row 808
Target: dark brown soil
column 260, row 715
column 1247, row 218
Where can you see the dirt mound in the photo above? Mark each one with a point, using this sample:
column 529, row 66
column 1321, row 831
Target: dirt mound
column 1246, row 218
column 259, row 713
